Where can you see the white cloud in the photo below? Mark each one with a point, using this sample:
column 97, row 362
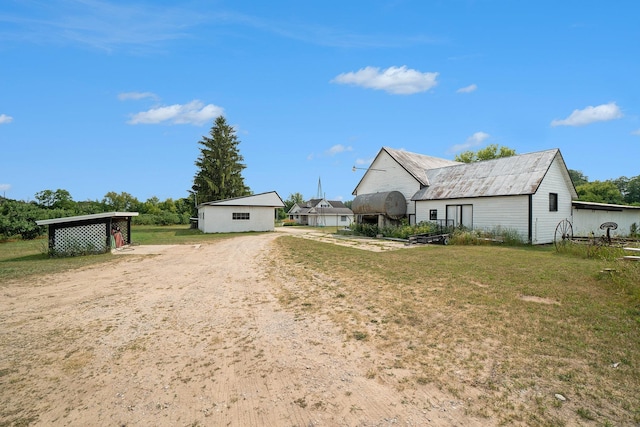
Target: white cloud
column 636, row 132
column 5, row 187
column 104, row 25
column 195, row 113
column 473, row 141
column 4, row 119
column 338, row 148
column 137, row 95
column 395, row 80
column 601, row 113
column 468, row 89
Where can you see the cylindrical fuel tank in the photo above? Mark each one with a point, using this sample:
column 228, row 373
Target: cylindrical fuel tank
column 389, row 203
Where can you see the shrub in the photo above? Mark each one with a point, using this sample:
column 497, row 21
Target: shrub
column 508, row 236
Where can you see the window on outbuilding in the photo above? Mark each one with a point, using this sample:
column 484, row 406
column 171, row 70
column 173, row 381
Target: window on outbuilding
column 240, row 215
column 553, row 202
column 433, row 214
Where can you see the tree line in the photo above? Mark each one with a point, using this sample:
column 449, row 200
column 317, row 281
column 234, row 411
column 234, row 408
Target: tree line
column 17, row 218
column 219, row 176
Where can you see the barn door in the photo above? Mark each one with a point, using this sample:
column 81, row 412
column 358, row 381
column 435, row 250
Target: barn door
column 460, row 215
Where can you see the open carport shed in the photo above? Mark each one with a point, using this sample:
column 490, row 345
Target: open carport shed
column 85, row 234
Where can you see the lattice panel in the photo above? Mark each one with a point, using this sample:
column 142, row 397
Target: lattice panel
column 90, row 238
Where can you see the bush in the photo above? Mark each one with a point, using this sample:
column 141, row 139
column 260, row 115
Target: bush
column 465, row 236
column 19, row 219
column 369, row 230
column 163, row 218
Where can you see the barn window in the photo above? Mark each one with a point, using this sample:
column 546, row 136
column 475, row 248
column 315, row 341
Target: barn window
column 240, row 215
column 553, row 202
column 433, row 214
column 343, row 218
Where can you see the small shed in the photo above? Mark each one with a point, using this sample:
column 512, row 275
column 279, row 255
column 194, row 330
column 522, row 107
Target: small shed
column 240, row 214
column 588, row 216
column 86, row 234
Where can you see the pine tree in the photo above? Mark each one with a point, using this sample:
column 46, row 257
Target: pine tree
column 219, row 165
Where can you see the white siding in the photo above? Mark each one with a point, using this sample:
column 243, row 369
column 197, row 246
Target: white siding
column 488, row 212
column 586, row 221
column 544, row 221
column 218, row 219
column 390, row 177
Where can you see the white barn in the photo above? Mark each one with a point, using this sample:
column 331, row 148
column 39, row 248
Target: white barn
column 250, row 213
column 397, row 170
column 529, row 193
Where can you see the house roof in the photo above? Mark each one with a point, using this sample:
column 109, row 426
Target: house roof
column 86, row 217
column 417, row 164
column 506, row 176
column 268, row 199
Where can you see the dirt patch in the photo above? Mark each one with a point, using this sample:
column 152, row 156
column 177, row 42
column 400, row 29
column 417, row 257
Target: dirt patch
column 539, row 300
column 357, row 242
column 190, row 335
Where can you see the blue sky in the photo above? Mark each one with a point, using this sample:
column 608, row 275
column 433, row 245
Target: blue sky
column 99, row 96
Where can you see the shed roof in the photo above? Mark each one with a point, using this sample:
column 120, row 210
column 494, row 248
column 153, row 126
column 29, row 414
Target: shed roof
column 601, row 206
column 268, row 199
column 86, row 217
column 506, row 176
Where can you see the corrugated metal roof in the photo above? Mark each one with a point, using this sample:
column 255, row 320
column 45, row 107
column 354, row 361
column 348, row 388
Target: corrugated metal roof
column 507, row 176
column 417, row 164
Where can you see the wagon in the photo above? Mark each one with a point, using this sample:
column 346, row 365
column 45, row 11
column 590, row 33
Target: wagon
column 429, row 238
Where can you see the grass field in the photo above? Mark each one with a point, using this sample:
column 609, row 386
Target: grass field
column 505, row 329
column 508, row 328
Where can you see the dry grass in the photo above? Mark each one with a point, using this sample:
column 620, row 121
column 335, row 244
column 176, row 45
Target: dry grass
column 504, row 329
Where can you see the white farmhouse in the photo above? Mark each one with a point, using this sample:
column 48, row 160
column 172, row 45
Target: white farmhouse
column 250, row 213
column 321, row 212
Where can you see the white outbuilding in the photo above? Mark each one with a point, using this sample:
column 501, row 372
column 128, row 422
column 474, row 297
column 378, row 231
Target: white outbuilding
column 240, row 214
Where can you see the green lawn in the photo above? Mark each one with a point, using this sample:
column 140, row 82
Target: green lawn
column 508, row 327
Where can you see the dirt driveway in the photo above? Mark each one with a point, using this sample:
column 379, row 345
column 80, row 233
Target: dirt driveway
column 185, row 336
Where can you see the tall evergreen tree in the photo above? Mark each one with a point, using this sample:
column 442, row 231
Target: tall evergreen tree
column 219, row 165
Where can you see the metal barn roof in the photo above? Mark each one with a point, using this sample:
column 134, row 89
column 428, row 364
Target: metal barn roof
column 506, row 176
column 418, row 164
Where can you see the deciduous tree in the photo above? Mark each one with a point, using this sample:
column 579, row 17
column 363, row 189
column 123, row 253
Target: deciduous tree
column 492, row 151
column 600, row 192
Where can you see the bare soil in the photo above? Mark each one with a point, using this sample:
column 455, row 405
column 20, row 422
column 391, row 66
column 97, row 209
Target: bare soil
column 192, row 335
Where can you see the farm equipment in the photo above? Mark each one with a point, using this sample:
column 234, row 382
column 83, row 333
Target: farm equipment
column 429, row 238
column 564, row 236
